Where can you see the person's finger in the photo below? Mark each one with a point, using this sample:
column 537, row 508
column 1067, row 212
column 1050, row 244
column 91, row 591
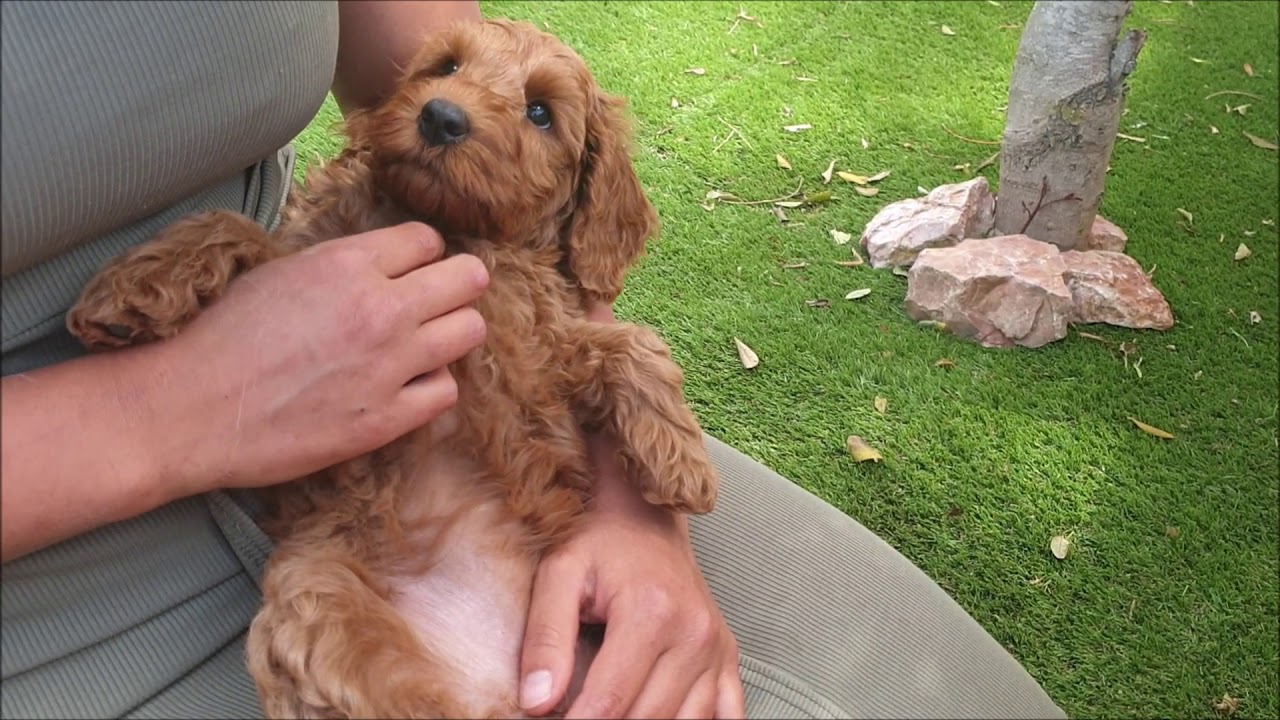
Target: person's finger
column 670, row 685
column 443, row 286
column 400, row 249
column 701, row 699
column 425, row 398
column 551, row 633
column 731, row 702
column 440, row 342
column 630, row 650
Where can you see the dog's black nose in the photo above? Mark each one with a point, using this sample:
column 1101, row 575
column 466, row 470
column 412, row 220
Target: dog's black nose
column 442, row 122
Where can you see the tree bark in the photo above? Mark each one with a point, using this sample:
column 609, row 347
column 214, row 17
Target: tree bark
column 1065, row 99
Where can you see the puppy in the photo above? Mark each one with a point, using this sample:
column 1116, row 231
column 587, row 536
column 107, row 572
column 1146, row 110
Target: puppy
column 400, row 581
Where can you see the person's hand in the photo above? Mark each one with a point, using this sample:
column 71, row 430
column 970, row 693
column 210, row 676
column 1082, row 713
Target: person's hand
column 323, row 355
column 667, row 651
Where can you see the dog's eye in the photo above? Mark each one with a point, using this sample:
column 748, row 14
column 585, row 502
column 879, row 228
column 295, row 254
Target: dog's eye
column 538, row 114
column 448, row 67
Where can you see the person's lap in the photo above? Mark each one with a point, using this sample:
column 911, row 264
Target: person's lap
column 831, row 621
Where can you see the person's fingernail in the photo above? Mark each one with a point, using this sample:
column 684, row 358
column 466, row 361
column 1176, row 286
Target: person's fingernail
column 535, row 689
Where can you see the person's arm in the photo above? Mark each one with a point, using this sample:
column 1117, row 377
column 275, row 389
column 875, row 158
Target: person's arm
column 72, row 453
column 378, row 38
column 355, row 358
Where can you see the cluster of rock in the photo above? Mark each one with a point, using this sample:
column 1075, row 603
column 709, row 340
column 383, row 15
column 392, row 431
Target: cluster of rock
column 1008, row 289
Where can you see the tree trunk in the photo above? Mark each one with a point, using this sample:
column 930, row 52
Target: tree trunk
column 1065, row 98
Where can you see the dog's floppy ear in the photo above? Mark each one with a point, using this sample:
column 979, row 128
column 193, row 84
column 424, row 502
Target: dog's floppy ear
column 612, row 217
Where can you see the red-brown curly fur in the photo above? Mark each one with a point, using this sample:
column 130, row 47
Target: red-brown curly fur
column 400, row 580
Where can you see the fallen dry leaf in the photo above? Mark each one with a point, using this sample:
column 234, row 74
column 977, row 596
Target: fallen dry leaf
column 851, row 263
column 1248, row 69
column 1172, row 532
column 840, row 237
column 903, row 272
column 797, row 128
column 1060, row 546
column 987, row 163
column 1213, row 130
column 858, row 294
column 946, row 30
column 853, row 178
column 1198, row 60
column 1151, row 429
column 783, row 162
column 861, row 451
column 1243, row 252
column 1254, row 317
column 1190, row 218
column 944, row 363
column 746, row 355
column 818, row 303
column 795, row 266
column 1239, row 109
column 777, row 212
column 881, row 404
column 1091, row 336
column 866, row 191
column 865, row 144
column 1264, row 144
column 696, row 71
column 826, row 174
column 879, row 176
column 789, row 203
column 1131, row 138
column 1227, row 706
column 802, row 78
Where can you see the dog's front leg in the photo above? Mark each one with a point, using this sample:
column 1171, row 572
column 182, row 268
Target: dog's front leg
column 625, row 380
column 154, row 290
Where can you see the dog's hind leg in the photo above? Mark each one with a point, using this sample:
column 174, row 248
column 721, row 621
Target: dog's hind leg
column 624, row 378
column 152, row 291
column 328, row 644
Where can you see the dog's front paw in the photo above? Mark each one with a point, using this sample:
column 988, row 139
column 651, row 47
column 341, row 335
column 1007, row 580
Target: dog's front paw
column 155, row 289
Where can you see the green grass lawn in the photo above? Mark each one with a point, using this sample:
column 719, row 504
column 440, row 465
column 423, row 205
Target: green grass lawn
column 985, row 462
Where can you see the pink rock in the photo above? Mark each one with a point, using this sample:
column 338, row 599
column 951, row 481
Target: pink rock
column 944, row 217
column 1001, row 291
column 1105, row 235
column 1110, row 287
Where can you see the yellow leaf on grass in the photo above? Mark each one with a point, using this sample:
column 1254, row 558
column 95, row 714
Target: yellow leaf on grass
column 797, row 128
column 858, row 294
column 696, row 71
column 840, row 237
column 789, row 203
column 1151, row 429
column 1060, row 546
column 946, row 30
column 1227, row 706
column 1254, row 317
column 879, row 176
column 861, row 451
column 944, row 363
column 826, row 174
column 1248, row 69
column 1187, row 215
column 1243, row 252
column 746, row 355
column 866, row 191
column 850, row 177
column 881, row 404
column 1264, row 144
column 783, row 162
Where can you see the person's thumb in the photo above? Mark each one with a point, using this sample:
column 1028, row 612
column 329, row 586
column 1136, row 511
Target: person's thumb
column 551, row 633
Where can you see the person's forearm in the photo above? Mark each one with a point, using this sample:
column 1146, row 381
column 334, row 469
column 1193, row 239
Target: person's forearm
column 81, row 447
column 378, row 38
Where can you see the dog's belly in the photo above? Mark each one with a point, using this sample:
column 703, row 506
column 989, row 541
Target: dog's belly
column 470, row 607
